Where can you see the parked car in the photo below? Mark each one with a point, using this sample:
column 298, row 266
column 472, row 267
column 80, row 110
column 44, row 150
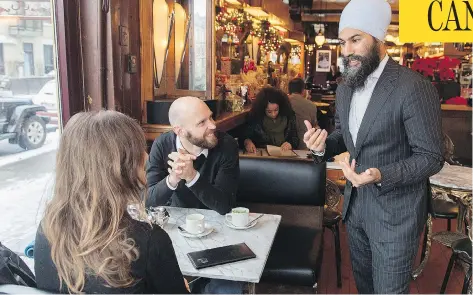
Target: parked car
column 20, row 124
column 47, row 96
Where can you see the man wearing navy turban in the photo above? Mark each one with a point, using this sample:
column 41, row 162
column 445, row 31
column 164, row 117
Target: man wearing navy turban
column 388, row 119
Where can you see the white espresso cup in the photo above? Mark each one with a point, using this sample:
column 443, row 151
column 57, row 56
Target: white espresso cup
column 195, row 223
column 239, row 216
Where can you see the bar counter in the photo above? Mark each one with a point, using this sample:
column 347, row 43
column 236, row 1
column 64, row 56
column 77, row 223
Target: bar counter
column 225, row 122
column 453, row 107
column 456, row 123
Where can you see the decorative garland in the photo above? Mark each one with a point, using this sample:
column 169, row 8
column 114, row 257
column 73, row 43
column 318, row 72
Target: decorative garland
column 269, row 37
column 233, row 21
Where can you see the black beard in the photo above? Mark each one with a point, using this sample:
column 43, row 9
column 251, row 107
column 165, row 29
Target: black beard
column 201, row 142
column 355, row 77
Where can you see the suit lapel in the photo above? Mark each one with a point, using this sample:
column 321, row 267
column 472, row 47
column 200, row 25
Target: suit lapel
column 381, row 93
column 345, row 101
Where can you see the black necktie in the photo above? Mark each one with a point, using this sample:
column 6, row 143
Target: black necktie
column 199, row 162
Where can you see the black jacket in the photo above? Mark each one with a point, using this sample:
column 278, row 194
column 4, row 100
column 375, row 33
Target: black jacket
column 217, row 185
column 258, row 136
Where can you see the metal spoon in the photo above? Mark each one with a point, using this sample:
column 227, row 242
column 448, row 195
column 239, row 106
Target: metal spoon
column 183, row 230
column 251, row 222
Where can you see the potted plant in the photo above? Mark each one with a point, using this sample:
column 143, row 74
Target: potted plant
column 440, row 71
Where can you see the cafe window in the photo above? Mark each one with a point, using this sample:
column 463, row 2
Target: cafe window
column 48, row 58
column 31, row 24
column 27, row 156
column 2, row 62
column 197, row 62
column 28, row 59
column 190, row 45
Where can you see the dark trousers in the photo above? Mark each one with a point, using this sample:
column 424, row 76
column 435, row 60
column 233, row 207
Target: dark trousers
column 378, row 267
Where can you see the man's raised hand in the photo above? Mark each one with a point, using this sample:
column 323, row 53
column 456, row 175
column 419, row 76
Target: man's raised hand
column 314, row 139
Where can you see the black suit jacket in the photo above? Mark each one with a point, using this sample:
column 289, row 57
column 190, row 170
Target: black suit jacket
column 400, row 134
column 216, row 187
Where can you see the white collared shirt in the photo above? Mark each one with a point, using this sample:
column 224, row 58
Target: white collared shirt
column 360, row 101
column 179, row 145
column 361, row 98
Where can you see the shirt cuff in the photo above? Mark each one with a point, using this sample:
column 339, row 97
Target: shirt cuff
column 320, row 154
column 169, row 185
column 196, row 177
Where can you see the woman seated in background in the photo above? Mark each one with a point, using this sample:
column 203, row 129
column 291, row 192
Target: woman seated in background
column 87, row 242
column 271, row 122
column 333, row 77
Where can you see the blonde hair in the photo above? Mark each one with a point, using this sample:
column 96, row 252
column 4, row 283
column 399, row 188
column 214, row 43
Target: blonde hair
column 96, row 179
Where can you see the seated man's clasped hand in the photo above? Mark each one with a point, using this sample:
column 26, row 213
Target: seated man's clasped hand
column 181, row 166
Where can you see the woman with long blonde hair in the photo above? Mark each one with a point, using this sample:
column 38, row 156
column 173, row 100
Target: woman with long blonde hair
column 87, row 242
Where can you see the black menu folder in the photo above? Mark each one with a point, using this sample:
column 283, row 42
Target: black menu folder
column 220, row 255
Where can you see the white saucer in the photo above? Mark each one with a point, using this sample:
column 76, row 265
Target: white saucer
column 208, row 230
column 227, row 223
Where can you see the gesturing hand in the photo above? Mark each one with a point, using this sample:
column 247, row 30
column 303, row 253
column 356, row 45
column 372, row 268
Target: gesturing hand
column 371, row 175
column 314, row 139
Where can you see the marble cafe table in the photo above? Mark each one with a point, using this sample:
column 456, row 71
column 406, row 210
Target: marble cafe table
column 455, row 183
column 259, row 239
column 453, row 177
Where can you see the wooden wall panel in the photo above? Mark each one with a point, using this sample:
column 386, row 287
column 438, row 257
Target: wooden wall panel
column 69, row 61
column 92, row 19
column 125, row 23
column 92, row 51
column 146, row 42
column 125, row 48
column 134, row 80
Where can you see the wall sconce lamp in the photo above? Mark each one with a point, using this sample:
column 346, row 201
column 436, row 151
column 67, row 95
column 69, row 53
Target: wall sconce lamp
column 161, row 37
column 180, row 36
column 320, row 39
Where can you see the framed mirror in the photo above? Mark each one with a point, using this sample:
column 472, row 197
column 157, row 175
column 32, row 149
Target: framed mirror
column 182, row 35
column 190, row 42
column 163, row 20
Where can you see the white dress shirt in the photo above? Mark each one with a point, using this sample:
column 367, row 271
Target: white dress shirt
column 204, row 152
column 360, row 100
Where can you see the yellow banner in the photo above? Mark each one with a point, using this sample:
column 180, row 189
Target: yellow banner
column 436, row 20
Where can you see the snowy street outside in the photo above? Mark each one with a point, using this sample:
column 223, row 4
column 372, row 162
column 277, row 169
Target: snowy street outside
column 26, row 182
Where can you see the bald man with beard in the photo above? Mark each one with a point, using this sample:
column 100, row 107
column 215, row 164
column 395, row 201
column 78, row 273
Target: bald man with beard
column 194, row 165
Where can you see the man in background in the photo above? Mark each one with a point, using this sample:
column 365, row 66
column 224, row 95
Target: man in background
column 304, row 108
